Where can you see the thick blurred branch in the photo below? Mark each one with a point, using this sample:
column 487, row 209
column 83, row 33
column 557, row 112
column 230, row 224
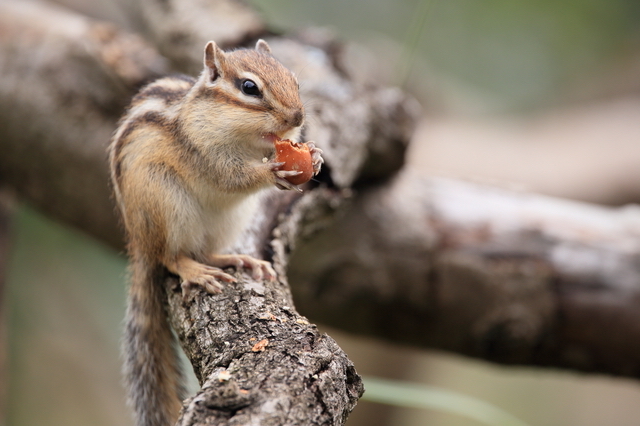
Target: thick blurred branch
column 505, row 276
column 64, row 82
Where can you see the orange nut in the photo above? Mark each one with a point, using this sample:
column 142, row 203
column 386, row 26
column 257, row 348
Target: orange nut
column 295, row 156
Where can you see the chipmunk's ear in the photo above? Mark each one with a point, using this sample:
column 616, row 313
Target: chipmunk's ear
column 263, row 47
column 213, row 60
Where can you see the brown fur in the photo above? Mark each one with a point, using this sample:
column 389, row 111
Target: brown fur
column 185, row 163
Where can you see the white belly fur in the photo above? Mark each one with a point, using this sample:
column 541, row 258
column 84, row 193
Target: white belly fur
column 212, row 224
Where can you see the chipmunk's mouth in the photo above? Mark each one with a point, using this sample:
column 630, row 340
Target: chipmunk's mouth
column 272, row 137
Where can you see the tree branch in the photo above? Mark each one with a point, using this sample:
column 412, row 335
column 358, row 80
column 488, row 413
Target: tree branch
column 180, row 28
column 258, row 360
column 64, row 82
column 509, row 277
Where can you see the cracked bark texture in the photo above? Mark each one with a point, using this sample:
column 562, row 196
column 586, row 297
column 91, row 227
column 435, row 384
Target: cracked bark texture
column 504, row 276
column 261, row 363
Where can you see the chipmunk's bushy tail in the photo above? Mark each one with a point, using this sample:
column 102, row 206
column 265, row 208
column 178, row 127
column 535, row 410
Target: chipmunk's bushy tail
column 151, row 364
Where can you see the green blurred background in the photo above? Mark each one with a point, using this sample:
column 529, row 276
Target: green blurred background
column 461, row 58
column 508, row 54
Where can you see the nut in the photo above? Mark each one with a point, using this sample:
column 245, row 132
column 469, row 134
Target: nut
column 297, row 157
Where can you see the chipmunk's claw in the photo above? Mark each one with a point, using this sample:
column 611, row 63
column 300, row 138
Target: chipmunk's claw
column 316, row 157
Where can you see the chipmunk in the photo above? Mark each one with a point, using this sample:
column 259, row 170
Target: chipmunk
column 187, row 162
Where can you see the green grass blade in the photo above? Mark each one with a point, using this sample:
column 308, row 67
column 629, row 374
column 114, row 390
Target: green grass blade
column 412, row 395
column 411, row 41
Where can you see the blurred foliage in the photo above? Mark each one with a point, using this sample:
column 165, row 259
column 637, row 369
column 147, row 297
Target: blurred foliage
column 516, row 53
column 65, row 299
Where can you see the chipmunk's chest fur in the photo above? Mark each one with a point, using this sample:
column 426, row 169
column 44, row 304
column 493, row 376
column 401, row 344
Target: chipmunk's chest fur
column 215, row 221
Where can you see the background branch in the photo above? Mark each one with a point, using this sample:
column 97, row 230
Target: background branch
column 64, row 82
column 506, row 276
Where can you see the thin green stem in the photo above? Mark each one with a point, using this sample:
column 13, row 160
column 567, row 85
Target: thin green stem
column 413, row 395
column 412, row 40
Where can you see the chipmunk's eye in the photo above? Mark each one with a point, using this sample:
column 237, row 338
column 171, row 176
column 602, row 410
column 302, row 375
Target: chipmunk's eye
column 250, row 88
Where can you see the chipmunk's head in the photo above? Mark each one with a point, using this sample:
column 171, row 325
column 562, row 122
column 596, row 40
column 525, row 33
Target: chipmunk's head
column 259, row 94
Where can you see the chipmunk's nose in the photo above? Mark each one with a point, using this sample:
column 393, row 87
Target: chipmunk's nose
column 296, row 119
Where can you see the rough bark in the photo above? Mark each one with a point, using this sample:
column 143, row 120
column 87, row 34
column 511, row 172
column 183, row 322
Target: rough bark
column 258, row 360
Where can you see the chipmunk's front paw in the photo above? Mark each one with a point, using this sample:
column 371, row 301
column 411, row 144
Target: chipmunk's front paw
column 316, row 157
column 282, row 175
